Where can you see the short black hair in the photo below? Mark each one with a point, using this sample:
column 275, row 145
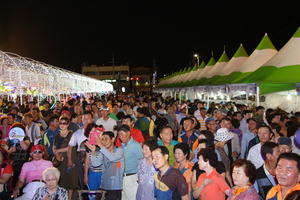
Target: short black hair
column 267, row 148
column 207, row 134
column 290, row 156
column 52, row 118
column 184, row 148
column 87, row 112
column 208, row 143
column 251, row 119
column 127, row 117
column 109, row 133
column 209, row 155
column 163, row 150
column 259, row 108
column 124, row 127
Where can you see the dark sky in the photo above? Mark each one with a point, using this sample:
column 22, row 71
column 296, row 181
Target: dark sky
column 67, row 33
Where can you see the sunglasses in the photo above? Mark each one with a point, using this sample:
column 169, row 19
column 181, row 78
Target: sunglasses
column 35, row 152
column 63, row 123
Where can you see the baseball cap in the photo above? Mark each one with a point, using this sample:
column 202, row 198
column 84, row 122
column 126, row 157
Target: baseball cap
column 208, row 120
column 223, row 111
column 36, row 147
column 285, row 141
column 104, row 108
column 66, row 111
column 182, row 107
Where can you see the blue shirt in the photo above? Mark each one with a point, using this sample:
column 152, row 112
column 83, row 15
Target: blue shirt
column 132, row 153
column 48, row 139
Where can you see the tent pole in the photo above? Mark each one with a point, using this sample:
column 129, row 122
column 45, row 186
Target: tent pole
column 257, row 96
column 297, row 102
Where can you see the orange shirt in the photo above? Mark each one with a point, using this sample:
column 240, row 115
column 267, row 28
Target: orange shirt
column 277, row 190
column 216, row 189
column 187, row 173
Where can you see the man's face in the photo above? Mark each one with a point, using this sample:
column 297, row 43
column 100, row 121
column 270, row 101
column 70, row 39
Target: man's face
column 238, row 116
column 125, row 107
column 37, row 154
column 127, row 122
column 287, row 173
column 276, row 119
column 107, row 142
column 124, row 136
column 104, row 113
column 77, row 109
column 115, row 108
column 54, row 124
column 264, row 135
column 183, row 110
column 88, row 107
column 261, row 111
column 170, row 109
column 252, row 125
column 34, row 113
column 199, row 105
column 247, row 116
column 226, row 124
column 158, row 159
column 203, row 112
column 285, row 149
column 10, row 119
column 219, row 115
column 87, row 119
column 276, row 154
column 27, row 120
column 166, row 135
column 188, row 125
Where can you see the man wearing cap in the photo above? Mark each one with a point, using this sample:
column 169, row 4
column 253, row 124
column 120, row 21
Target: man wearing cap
column 265, row 135
column 285, row 144
column 32, row 174
column 73, row 127
column 107, row 122
column 265, row 178
column 221, row 113
column 160, row 121
column 248, row 136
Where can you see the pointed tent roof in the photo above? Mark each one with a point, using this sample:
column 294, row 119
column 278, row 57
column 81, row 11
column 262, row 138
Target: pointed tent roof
column 209, row 65
column 237, row 60
column 223, row 60
column 263, row 52
column 187, row 73
column 193, row 74
column 282, row 71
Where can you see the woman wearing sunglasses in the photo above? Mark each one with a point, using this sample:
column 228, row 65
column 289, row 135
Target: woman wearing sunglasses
column 69, row 176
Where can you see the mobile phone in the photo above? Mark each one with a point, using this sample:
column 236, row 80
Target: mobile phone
column 69, row 169
column 93, row 136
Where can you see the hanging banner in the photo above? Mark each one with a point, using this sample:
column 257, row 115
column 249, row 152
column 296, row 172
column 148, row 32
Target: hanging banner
column 217, row 88
column 247, row 88
column 200, row 88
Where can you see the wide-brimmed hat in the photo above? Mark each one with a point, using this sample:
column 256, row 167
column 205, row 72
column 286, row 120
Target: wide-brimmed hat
column 223, row 135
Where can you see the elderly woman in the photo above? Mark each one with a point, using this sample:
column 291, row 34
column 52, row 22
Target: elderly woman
column 51, row 191
column 146, row 172
column 243, row 175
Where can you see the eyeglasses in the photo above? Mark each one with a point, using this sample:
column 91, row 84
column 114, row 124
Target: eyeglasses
column 63, row 123
column 35, row 152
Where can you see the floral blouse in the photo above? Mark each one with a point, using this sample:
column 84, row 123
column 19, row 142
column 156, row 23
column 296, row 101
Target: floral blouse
column 59, row 194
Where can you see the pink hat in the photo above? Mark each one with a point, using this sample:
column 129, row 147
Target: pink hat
column 66, row 111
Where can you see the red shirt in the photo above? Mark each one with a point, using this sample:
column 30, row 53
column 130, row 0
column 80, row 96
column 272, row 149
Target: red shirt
column 136, row 134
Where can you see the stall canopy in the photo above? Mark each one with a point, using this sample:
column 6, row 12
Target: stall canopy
column 267, row 68
column 21, row 75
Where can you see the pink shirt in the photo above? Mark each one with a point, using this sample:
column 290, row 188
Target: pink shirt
column 33, row 170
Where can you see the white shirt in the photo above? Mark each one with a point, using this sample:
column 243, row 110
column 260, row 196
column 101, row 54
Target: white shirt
column 77, row 138
column 255, row 156
column 108, row 124
column 33, row 130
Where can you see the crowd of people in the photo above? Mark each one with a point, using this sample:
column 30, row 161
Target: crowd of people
column 144, row 147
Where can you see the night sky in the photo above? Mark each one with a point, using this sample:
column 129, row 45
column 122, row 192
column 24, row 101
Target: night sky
column 68, row 33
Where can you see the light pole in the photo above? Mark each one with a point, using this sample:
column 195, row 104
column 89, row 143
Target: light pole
column 197, row 56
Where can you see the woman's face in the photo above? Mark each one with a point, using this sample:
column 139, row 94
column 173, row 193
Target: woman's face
column 212, row 125
column 146, row 151
column 179, row 155
column 5, row 122
column 63, row 125
column 51, row 181
column 239, row 177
